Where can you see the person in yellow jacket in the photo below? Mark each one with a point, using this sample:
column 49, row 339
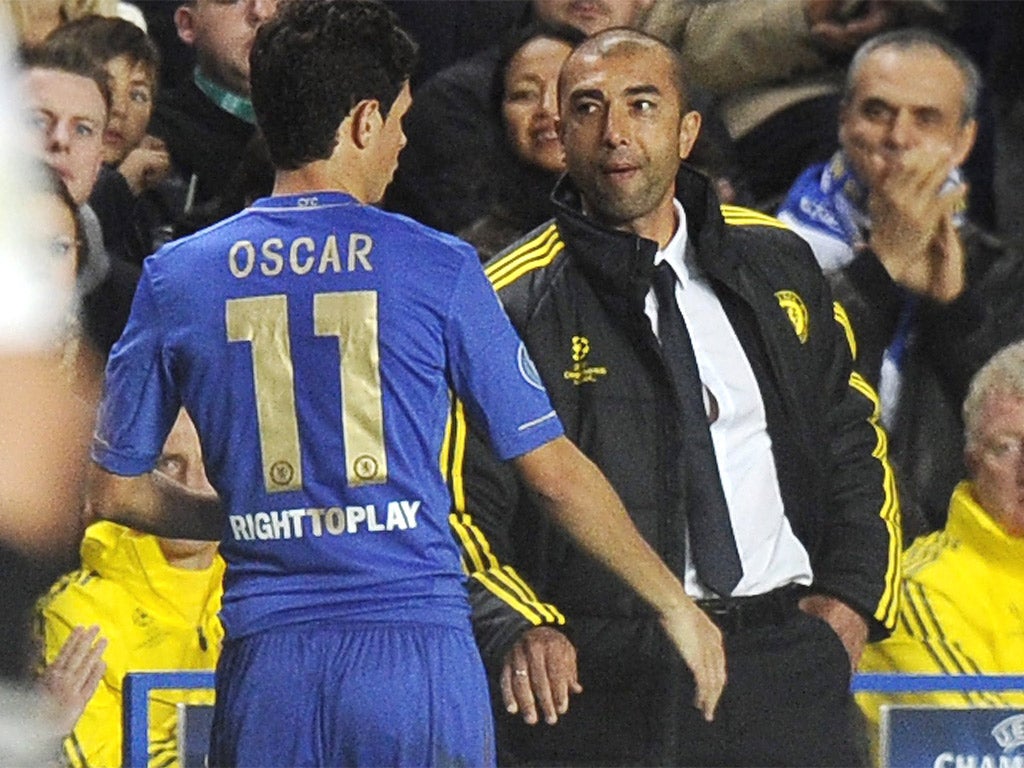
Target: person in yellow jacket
column 963, row 591
column 155, row 602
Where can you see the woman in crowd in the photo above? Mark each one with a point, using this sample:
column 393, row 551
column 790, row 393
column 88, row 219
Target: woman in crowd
column 525, row 95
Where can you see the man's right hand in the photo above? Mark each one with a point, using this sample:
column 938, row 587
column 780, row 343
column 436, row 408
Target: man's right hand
column 912, row 230
column 72, row 677
column 699, row 642
column 540, row 669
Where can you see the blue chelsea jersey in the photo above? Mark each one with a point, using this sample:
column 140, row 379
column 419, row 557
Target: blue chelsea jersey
column 315, row 342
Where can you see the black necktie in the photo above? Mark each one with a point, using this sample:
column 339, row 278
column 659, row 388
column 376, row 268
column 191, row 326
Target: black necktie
column 712, row 543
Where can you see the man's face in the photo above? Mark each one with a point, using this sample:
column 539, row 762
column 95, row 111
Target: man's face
column 70, row 115
column 996, row 461
column 182, row 460
column 623, row 133
column 222, row 33
column 390, row 142
column 591, row 16
column 903, row 99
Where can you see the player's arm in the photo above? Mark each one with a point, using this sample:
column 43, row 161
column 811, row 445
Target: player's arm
column 154, row 503
column 579, row 498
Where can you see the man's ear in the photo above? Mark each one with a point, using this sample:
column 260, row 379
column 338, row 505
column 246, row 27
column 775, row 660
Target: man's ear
column 366, row 121
column 184, row 22
column 965, row 142
column 689, row 127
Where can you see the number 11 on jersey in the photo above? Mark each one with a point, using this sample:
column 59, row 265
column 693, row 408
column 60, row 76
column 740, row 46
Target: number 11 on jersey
column 352, row 318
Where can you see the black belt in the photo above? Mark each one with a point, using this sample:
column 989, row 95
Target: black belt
column 733, row 614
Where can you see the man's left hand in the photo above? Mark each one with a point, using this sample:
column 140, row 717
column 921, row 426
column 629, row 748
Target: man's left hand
column 846, row 622
column 540, row 673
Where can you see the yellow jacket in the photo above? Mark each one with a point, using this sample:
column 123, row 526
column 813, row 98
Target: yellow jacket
column 962, row 610
column 154, row 616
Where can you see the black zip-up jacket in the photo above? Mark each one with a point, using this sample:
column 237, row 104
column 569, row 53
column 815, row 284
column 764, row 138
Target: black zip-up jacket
column 575, row 292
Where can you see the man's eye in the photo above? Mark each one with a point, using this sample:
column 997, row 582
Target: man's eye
column 174, row 467
column 84, row 130
column 139, row 96
column 40, row 122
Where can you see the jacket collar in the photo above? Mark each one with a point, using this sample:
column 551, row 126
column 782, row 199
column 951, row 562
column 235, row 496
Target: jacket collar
column 970, row 523
column 623, row 263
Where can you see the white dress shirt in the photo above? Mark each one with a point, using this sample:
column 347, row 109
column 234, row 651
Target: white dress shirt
column 771, row 554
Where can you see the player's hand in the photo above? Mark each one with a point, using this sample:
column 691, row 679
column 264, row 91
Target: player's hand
column 699, row 642
column 146, row 165
column 71, row 679
column 539, row 670
column 847, row 623
column 912, row 230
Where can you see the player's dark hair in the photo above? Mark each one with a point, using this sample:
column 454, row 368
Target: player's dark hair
column 70, row 59
column 313, row 62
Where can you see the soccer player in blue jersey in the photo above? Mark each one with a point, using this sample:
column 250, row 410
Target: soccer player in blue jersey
column 315, row 341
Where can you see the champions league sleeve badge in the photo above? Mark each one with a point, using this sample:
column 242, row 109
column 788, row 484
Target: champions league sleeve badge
column 527, row 369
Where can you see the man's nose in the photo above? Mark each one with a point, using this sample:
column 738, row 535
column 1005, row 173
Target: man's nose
column 615, row 133
column 901, row 130
column 58, row 135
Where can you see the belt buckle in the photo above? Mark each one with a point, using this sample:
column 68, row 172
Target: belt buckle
column 727, row 617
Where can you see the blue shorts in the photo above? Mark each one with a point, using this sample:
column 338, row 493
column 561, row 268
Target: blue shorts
column 329, row 694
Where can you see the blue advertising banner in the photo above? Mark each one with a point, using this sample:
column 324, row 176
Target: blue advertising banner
column 937, row 737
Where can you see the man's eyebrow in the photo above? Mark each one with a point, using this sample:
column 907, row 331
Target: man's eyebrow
column 639, row 90
column 587, row 93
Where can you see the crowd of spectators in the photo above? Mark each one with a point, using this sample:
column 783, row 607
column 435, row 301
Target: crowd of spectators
column 893, row 165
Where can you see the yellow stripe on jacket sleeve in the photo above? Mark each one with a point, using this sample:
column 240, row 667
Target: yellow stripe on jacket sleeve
column 888, row 605
column 839, row 312
column 744, row 217
column 74, row 755
column 478, row 558
column 923, row 624
column 531, row 255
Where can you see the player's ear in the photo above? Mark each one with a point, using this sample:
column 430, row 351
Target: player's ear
column 366, row 121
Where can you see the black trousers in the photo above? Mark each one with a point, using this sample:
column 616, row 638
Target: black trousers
column 786, row 703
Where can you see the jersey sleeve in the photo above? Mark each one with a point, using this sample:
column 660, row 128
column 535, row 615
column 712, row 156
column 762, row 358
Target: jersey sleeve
column 492, row 371
column 140, row 401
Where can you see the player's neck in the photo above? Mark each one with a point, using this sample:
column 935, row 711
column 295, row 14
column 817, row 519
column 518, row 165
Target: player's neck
column 318, row 176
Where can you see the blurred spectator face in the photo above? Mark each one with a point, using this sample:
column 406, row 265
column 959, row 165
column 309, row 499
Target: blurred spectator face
column 182, row 460
column 222, row 33
column 591, row 16
column 996, row 460
column 902, row 99
column 57, row 225
column 70, row 115
column 530, row 104
column 35, row 19
column 131, row 105
column 623, row 131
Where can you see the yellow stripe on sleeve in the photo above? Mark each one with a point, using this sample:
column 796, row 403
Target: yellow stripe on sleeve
column 479, row 560
column 744, row 217
column 888, row 606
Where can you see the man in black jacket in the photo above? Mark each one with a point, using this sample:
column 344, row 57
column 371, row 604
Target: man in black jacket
column 810, row 504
